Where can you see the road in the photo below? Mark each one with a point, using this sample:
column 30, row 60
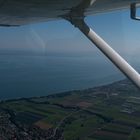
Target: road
column 61, row 122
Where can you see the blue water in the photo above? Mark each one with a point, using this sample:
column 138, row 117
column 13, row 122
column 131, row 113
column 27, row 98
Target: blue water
column 27, row 76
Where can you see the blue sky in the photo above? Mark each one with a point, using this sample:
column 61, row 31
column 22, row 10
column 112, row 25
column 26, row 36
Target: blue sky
column 60, row 37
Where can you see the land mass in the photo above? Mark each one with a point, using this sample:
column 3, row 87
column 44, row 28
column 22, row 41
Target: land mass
column 110, row 112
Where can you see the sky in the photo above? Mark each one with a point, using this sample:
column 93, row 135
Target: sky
column 61, row 38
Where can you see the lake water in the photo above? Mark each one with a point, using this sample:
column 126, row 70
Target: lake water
column 26, row 76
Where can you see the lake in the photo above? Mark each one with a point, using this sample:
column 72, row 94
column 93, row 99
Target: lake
column 32, row 75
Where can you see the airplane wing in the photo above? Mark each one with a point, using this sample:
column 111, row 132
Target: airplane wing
column 20, row 12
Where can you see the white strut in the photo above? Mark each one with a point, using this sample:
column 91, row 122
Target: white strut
column 124, row 67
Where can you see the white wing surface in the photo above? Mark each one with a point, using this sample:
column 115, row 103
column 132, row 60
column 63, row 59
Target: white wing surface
column 20, row 12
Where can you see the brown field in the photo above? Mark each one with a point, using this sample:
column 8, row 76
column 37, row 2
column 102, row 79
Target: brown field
column 106, row 135
column 43, row 125
column 84, row 104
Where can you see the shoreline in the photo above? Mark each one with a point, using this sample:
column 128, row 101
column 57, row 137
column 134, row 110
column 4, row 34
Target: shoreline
column 61, row 94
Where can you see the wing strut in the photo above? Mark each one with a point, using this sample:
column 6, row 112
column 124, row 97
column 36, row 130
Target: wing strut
column 108, row 51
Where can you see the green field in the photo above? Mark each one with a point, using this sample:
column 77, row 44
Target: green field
column 104, row 113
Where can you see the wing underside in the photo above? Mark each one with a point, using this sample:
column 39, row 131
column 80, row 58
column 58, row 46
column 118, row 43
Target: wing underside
column 20, row 12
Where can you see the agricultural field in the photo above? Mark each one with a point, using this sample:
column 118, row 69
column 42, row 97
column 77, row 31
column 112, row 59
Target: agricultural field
column 109, row 112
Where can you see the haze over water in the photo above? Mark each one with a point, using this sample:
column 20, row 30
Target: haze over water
column 27, row 76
